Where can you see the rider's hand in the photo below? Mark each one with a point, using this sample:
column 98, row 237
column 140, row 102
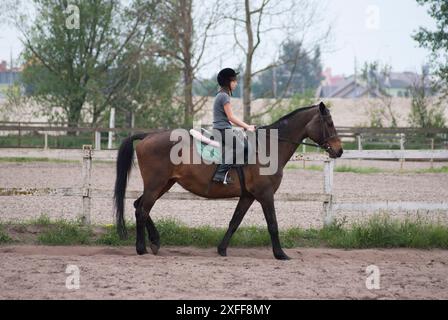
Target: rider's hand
column 251, row 128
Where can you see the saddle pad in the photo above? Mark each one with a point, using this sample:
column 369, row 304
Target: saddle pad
column 208, row 152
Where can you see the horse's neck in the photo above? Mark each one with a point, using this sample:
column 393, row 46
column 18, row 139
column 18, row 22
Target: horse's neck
column 294, row 130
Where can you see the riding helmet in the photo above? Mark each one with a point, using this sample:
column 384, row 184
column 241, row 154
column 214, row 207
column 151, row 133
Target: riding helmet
column 225, row 76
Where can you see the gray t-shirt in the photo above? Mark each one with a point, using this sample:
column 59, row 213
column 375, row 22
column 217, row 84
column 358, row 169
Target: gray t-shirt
column 220, row 120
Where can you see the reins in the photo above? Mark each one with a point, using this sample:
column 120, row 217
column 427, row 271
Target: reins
column 324, row 145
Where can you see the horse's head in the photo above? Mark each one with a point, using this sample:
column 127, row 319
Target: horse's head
column 322, row 131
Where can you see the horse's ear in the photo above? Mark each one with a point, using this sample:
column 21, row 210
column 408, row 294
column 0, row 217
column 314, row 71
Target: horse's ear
column 322, row 108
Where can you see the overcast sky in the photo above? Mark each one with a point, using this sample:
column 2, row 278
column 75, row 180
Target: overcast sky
column 368, row 29
column 389, row 39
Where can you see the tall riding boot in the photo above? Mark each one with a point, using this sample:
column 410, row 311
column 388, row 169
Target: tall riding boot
column 222, row 172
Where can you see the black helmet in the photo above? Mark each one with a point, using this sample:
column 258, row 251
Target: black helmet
column 225, row 76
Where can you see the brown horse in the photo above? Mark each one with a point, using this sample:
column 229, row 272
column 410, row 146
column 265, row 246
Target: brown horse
column 160, row 174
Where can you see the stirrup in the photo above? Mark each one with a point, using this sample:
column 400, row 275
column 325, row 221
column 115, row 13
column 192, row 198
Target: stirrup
column 225, row 178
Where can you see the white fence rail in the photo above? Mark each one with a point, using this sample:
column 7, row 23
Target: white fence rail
column 326, row 197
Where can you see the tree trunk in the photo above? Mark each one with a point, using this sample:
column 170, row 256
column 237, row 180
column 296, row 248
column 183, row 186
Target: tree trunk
column 188, row 95
column 74, row 115
column 248, row 70
column 187, row 45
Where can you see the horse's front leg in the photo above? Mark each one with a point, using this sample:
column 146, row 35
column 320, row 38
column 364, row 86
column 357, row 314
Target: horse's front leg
column 240, row 211
column 267, row 203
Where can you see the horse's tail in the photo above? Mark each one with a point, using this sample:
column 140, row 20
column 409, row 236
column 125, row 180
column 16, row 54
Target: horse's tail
column 124, row 166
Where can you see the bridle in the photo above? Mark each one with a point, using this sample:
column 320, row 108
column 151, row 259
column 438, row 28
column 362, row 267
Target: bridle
column 324, row 145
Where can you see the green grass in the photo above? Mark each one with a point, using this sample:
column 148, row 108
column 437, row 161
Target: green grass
column 25, row 160
column 311, row 167
column 443, row 169
column 379, row 232
column 65, row 233
column 367, row 170
column 383, row 232
column 4, row 237
column 37, row 141
column 30, row 160
column 360, row 170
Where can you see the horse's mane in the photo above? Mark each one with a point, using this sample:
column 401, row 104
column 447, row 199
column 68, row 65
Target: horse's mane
column 277, row 123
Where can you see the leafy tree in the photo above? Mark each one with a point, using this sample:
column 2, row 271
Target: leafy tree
column 436, row 40
column 298, row 72
column 298, row 100
column 70, row 64
column 423, row 114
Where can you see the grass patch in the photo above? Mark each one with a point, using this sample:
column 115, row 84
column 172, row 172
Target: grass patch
column 307, row 167
column 379, row 232
column 4, row 236
column 383, row 232
column 26, row 160
column 29, row 160
column 360, row 170
column 443, row 169
column 65, row 233
column 43, row 220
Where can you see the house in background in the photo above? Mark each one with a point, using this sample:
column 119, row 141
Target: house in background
column 8, row 77
column 396, row 84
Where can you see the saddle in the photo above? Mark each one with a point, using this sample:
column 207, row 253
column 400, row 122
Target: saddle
column 210, row 150
column 207, row 148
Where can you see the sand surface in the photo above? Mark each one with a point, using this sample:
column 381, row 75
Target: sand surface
column 30, row 272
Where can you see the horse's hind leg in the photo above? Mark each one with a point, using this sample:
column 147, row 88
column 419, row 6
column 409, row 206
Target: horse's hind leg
column 144, row 206
column 153, row 233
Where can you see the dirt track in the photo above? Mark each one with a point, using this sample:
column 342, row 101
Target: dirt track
column 187, row 273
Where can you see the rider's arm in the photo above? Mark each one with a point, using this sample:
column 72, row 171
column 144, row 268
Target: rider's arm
column 232, row 118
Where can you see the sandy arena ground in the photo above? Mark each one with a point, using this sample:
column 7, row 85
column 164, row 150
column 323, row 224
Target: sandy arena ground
column 38, row 272
column 348, row 187
column 188, row 273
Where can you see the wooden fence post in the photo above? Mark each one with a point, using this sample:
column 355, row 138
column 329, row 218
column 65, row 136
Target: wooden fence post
column 46, row 141
column 20, row 136
column 358, row 137
column 432, row 149
column 111, row 126
column 402, row 139
column 328, row 191
column 86, row 175
column 97, row 140
column 303, row 151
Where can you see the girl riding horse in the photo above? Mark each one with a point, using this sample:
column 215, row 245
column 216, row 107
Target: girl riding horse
column 223, row 118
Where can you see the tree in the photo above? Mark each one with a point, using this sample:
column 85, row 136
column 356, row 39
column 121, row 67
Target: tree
column 82, row 51
column 436, row 40
column 290, row 78
column 380, row 110
column 302, row 99
column 146, row 99
column 422, row 114
column 183, row 31
column 254, row 21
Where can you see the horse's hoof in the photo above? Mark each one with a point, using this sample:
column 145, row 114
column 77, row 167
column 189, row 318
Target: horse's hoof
column 222, row 252
column 282, row 257
column 154, row 248
column 141, row 251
